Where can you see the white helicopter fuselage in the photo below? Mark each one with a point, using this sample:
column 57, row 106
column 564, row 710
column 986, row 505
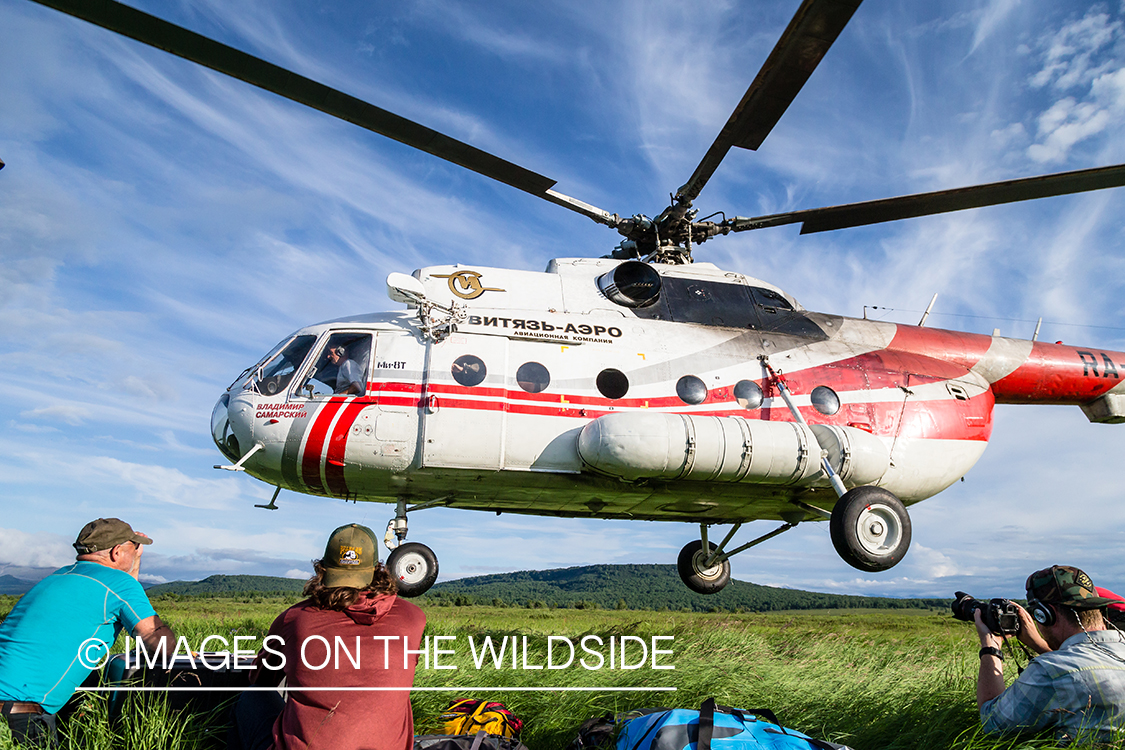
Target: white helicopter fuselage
column 420, row 433
column 610, row 389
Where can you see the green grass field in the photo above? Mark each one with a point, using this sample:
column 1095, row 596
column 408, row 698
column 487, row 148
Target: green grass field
column 868, row 679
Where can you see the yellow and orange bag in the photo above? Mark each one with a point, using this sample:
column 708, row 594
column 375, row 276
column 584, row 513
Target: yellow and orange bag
column 468, row 716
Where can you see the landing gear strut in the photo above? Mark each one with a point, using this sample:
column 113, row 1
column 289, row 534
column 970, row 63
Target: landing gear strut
column 705, row 568
column 414, row 566
column 869, row 526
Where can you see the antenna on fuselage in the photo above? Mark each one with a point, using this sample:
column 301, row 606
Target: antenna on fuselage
column 926, row 314
column 1035, row 336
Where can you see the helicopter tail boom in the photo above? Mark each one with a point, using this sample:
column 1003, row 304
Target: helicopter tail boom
column 1030, row 372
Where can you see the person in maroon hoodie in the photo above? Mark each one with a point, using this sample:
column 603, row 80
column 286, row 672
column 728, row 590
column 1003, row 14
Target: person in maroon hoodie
column 353, row 631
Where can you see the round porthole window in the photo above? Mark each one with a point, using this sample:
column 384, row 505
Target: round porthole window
column 825, row 400
column 691, row 390
column 612, row 383
column 533, row 377
column 748, row 394
column 468, row 370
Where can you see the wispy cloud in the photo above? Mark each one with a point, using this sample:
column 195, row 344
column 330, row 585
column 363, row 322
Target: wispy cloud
column 71, row 414
column 1079, row 60
column 991, row 19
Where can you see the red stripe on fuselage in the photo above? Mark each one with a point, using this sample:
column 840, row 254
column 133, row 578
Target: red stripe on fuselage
column 334, row 461
column 944, row 418
column 961, row 349
column 398, row 387
column 892, row 368
column 872, row 371
column 314, row 445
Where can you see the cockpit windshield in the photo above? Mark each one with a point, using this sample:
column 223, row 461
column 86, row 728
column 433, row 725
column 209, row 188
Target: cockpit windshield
column 272, row 376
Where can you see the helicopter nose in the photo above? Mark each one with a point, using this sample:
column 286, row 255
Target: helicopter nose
column 221, row 431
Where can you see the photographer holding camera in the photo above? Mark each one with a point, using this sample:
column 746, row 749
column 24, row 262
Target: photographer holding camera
column 1077, row 683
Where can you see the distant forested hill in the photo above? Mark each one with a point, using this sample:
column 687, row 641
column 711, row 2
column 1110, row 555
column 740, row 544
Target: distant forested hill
column 604, row 586
column 12, row 585
column 230, row 586
column 642, row 587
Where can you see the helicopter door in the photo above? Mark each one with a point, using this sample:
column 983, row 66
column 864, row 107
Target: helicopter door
column 463, row 405
column 386, row 432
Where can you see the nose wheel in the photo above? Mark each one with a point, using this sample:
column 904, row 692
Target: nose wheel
column 870, row 529
column 697, row 574
column 414, row 566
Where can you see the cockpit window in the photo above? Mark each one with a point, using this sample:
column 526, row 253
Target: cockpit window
column 779, row 316
column 770, row 298
column 277, row 369
column 341, row 367
column 711, row 303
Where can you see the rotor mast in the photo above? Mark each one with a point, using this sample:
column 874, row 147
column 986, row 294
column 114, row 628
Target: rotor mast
column 807, row 38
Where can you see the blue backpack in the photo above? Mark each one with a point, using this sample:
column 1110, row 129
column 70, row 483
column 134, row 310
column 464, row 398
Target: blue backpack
column 710, row 728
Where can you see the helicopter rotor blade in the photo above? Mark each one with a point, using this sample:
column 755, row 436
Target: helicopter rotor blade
column 800, row 49
column 209, row 53
column 941, row 201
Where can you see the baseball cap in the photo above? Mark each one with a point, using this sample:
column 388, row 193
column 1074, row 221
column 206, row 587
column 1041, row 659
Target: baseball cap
column 1065, row 585
column 350, row 557
column 106, row 533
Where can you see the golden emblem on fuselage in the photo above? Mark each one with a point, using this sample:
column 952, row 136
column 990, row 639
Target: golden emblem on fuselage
column 466, row 284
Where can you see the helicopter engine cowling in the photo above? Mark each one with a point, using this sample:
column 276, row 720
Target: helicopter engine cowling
column 657, row 445
column 857, row 456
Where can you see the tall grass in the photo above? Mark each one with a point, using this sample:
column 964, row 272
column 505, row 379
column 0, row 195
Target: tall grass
column 867, row 679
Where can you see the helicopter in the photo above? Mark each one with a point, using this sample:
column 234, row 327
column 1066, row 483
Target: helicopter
column 641, row 385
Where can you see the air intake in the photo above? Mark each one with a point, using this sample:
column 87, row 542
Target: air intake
column 631, row 284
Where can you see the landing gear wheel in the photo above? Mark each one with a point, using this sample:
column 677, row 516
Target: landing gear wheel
column 414, row 566
column 870, row 529
column 699, row 579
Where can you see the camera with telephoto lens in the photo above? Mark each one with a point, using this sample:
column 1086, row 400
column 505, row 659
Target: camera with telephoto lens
column 1000, row 616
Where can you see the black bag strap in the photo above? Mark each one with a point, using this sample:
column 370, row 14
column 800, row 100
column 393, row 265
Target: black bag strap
column 706, row 724
column 478, row 739
column 765, row 713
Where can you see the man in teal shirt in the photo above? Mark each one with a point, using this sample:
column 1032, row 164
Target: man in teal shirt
column 64, row 627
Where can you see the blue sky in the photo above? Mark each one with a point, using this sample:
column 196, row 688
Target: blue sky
column 161, row 227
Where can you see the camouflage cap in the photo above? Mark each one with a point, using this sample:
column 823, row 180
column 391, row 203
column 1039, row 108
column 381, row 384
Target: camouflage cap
column 1065, row 585
column 106, row 533
column 350, row 557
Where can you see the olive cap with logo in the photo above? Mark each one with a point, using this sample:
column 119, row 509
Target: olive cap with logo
column 1065, row 585
column 106, row 533
column 350, row 557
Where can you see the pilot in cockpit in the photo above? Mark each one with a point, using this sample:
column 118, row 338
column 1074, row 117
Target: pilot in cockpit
column 349, row 377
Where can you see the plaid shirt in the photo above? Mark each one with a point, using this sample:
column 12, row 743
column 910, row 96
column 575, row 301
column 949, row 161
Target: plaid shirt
column 1078, row 689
